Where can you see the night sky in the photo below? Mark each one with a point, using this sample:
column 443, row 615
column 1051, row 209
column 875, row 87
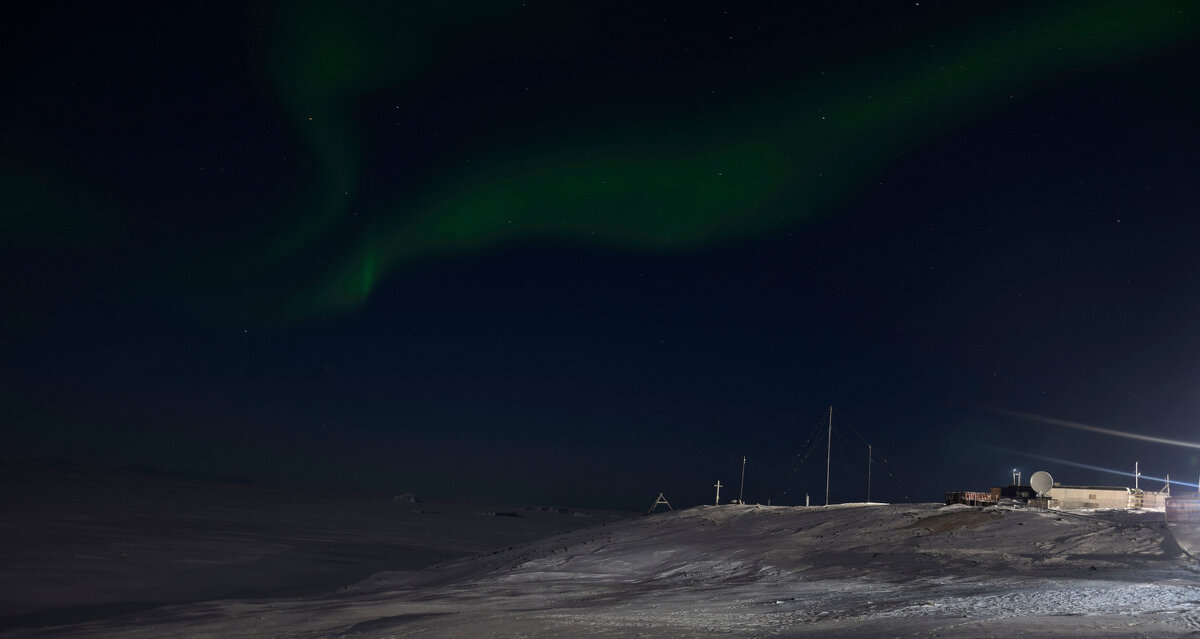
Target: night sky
column 583, row 252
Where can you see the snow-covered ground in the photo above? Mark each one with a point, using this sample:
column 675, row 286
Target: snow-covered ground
column 852, row 570
column 86, row 543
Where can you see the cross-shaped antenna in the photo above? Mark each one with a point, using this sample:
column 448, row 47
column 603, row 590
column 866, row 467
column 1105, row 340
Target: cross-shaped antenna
column 718, row 485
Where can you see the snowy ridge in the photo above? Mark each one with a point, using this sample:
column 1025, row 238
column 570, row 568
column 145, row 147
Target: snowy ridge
column 851, row 570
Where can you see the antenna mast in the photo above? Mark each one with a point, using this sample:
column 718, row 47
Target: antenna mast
column 828, row 453
column 743, row 486
column 869, row 460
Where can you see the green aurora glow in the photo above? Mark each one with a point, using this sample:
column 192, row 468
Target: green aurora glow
column 661, row 186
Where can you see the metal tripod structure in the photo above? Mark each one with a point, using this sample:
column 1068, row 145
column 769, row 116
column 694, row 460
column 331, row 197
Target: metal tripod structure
column 660, row 500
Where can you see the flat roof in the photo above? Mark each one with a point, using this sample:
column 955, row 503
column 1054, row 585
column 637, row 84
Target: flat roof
column 1125, row 488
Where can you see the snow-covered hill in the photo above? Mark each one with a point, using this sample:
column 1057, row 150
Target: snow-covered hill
column 852, row 570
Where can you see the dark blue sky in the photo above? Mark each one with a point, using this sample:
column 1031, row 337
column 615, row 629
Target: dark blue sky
column 1012, row 236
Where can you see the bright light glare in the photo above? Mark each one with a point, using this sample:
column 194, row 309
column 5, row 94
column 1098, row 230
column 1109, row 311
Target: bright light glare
column 1098, row 429
column 1090, row 467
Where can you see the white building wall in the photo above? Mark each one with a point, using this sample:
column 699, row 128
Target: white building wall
column 1088, row 497
column 1154, row 501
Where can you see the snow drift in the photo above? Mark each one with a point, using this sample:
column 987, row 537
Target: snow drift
column 852, row 570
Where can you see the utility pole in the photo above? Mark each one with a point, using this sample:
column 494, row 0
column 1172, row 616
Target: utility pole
column 743, row 486
column 869, row 460
column 718, row 485
column 828, row 454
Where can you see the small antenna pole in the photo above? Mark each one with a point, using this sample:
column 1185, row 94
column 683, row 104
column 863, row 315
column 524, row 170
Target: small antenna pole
column 718, row 485
column 1136, row 475
column 740, row 500
column 828, row 454
column 869, row 459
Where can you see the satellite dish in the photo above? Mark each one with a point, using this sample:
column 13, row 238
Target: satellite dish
column 1041, row 482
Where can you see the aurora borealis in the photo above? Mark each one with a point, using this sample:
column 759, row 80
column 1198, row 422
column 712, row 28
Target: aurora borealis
column 766, row 162
column 267, row 238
